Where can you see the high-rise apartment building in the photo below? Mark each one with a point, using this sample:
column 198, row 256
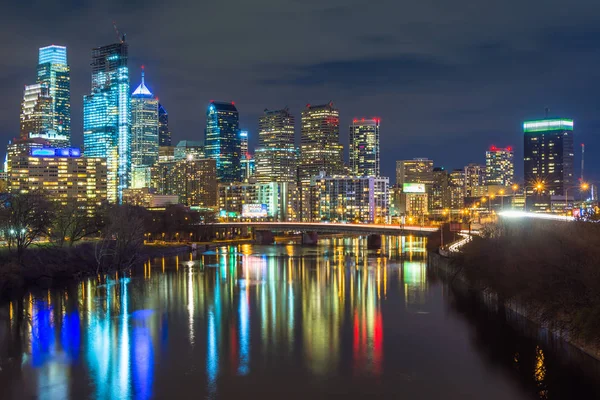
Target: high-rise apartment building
column 439, row 195
column 320, row 148
column 193, row 180
column 107, row 116
column 456, row 182
column 418, row 170
column 222, row 140
column 164, row 134
column 36, row 113
column 499, row 166
column 144, row 126
column 53, row 72
column 548, row 155
column 364, row 147
column 474, row 178
column 61, row 173
column 275, row 156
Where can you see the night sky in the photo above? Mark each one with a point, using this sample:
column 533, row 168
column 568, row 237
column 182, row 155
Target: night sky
column 447, row 78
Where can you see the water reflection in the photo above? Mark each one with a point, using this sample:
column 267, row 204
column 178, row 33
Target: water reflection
column 287, row 318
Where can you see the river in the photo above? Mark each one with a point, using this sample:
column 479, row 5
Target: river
column 273, row 322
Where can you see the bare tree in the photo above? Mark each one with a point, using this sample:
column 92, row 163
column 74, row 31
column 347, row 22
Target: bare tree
column 73, row 222
column 25, row 218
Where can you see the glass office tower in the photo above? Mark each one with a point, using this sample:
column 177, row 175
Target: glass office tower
column 222, row 140
column 144, row 126
column 107, row 116
column 364, row 147
column 276, row 152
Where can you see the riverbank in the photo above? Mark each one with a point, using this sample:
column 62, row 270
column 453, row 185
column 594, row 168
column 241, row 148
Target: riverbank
column 545, row 272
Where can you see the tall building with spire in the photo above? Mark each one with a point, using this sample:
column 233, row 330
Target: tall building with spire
column 107, row 116
column 222, row 140
column 276, row 152
column 164, row 134
column 320, row 148
column 364, row 147
column 53, row 71
column 144, row 126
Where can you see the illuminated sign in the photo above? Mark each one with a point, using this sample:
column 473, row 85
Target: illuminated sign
column 548, row 125
column 254, row 210
column 413, row 188
column 56, row 152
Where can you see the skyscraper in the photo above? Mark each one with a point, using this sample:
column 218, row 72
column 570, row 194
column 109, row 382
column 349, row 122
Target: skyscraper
column 107, row 116
column 548, row 154
column 222, row 140
column 36, row 112
column 364, row 147
column 144, row 126
column 499, row 166
column 474, row 177
column 164, row 134
column 276, row 152
column 417, row 170
column 54, row 72
column 320, row 148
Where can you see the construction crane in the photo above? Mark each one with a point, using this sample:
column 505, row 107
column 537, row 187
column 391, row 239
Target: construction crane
column 120, row 38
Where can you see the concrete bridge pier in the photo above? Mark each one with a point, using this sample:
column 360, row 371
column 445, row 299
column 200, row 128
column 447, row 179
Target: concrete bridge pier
column 373, row 242
column 310, row 238
column 264, row 237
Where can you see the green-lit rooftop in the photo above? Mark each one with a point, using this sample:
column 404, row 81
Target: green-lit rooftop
column 548, row 125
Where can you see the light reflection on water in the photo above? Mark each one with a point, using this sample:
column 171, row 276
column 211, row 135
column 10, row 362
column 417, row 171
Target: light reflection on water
column 298, row 320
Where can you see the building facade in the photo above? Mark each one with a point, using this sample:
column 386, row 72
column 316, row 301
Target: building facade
column 548, row 155
column 418, row 170
column 164, row 133
column 439, row 195
column 474, row 178
column 351, row 199
column 499, row 166
column 456, row 183
column 107, row 116
column 36, row 113
column 276, row 158
column 62, row 174
column 188, row 149
column 222, row 140
column 144, row 126
column 320, row 148
column 193, row 180
column 364, row 147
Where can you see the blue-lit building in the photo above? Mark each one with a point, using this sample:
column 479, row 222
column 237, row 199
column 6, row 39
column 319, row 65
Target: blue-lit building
column 54, row 73
column 144, row 126
column 223, row 141
column 107, row 116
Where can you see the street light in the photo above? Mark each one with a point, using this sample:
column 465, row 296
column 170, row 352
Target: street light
column 538, row 186
column 583, row 186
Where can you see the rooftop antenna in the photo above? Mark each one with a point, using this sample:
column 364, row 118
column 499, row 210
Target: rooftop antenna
column 582, row 159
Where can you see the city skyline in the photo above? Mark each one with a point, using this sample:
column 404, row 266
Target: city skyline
column 467, row 120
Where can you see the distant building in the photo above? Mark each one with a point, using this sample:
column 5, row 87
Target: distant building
column 247, row 163
column 193, row 180
column 143, row 197
column 37, row 117
column 61, row 173
column 320, row 148
column 164, row 133
column 53, row 72
column 456, row 182
column 351, row 199
column 276, row 155
column 439, row 194
column 232, row 197
column 222, row 140
column 474, row 178
column 107, row 116
column 417, row 170
column 144, row 126
column 280, row 200
column 364, row 147
column 166, row 154
column 499, row 166
column 187, row 149
column 548, row 155
column 17, row 147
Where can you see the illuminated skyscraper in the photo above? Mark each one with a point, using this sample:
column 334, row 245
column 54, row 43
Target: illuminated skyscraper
column 54, row 72
column 144, row 126
column 222, row 140
column 364, row 147
column 276, row 152
column 320, row 149
column 107, row 116
column 499, row 166
column 474, row 178
column 418, row 170
column 548, row 154
column 36, row 112
column 164, row 134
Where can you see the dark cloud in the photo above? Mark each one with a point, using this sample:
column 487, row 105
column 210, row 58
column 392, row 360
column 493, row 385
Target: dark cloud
column 447, row 78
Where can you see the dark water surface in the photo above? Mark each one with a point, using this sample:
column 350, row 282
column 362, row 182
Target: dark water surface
column 277, row 322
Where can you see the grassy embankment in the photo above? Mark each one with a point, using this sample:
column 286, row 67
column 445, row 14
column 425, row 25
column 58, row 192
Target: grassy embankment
column 551, row 269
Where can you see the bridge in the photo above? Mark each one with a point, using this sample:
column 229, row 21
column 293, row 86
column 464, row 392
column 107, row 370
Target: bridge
column 263, row 231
